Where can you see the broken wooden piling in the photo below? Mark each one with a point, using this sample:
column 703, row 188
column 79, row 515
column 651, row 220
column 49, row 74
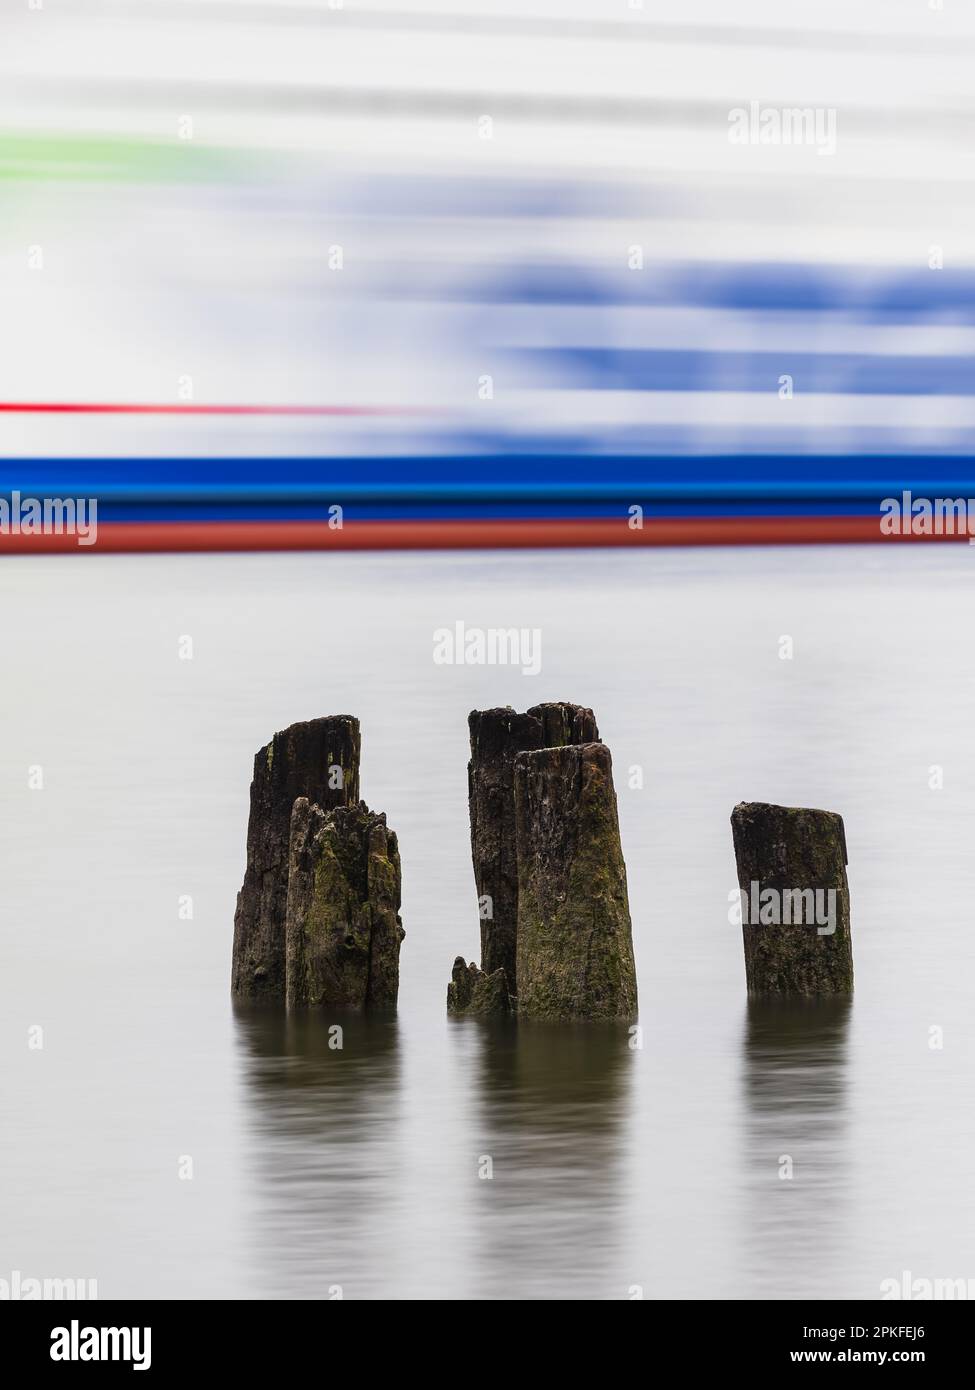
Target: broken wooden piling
column 497, row 736
column 795, row 899
column 574, row 937
column 343, row 930
column 474, row 994
column 318, row 759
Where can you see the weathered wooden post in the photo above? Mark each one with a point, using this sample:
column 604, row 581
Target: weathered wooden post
column 343, row 930
column 562, row 723
column 497, row 736
column 575, row 946
column 795, row 899
column 318, row 759
column 475, row 994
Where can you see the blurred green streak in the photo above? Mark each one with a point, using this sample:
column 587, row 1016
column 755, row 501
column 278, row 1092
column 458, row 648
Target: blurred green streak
column 54, row 158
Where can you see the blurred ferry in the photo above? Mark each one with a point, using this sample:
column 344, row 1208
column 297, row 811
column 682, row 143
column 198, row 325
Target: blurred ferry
column 295, row 275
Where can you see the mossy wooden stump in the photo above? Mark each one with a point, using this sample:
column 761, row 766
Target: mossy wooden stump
column 343, row 926
column 795, row 900
column 318, row 759
column 497, row 736
column 476, row 995
column 575, row 944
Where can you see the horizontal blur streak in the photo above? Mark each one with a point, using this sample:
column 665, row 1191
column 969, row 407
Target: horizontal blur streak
column 135, row 538
column 487, row 477
column 633, row 27
column 385, row 101
column 119, row 408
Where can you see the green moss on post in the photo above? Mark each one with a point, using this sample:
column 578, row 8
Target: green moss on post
column 497, row 736
column 575, row 947
column 473, row 994
column 318, row 759
column 795, row 900
column 343, row 930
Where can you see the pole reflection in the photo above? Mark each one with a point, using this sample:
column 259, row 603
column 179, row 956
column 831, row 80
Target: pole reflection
column 796, row 1157
column 552, row 1107
column 322, row 1110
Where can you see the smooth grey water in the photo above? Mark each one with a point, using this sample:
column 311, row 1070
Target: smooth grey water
column 614, row 1168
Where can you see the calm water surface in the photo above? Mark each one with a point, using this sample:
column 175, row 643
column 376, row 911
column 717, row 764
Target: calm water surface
column 365, row 1169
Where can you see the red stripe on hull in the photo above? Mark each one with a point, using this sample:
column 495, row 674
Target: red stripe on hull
column 138, row 537
column 140, row 408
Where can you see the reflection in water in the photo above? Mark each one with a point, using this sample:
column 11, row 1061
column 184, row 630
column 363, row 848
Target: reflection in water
column 377, row 1182
column 795, row 1120
column 322, row 1118
column 552, row 1101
